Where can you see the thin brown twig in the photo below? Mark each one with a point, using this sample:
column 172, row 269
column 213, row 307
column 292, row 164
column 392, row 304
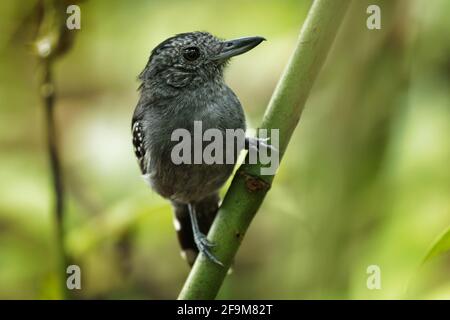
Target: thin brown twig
column 48, row 100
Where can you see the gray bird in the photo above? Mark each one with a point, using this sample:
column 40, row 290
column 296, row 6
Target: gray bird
column 183, row 82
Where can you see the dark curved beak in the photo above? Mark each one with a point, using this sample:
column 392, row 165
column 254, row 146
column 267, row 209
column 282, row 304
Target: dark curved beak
column 236, row 47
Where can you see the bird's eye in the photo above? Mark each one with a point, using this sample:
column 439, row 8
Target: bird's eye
column 191, row 53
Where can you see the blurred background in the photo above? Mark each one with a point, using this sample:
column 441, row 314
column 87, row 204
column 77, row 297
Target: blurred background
column 365, row 180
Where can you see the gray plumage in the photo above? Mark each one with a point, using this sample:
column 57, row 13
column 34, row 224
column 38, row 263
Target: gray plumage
column 182, row 83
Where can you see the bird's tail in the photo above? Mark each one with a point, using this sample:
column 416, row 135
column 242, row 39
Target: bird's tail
column 205, row 211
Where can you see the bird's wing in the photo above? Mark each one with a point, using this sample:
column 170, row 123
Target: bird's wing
column 138, row 143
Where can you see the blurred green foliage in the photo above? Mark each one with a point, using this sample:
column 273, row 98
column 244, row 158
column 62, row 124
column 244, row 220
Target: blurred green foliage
column 365, row 181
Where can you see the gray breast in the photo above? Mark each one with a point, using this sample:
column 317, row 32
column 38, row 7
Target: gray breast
column 218, row 109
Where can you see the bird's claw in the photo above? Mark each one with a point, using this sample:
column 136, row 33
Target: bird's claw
column 204, row 245
column 201, row 238
column 256, row 143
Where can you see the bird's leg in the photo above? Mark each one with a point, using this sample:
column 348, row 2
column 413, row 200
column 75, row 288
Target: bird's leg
column 256, row 143
column 203, row 244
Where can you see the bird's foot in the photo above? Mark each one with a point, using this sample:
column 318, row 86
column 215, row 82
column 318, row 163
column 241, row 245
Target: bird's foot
column 204, row 245
column 256, row 143
column 201, row 238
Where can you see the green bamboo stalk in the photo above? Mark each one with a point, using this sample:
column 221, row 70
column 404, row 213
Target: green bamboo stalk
column 248, row 188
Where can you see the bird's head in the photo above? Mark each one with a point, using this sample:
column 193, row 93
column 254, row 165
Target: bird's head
column 192, row 59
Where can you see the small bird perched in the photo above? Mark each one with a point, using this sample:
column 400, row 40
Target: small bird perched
column 183, row 83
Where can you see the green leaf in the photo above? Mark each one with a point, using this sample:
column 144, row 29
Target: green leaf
column 440, row 246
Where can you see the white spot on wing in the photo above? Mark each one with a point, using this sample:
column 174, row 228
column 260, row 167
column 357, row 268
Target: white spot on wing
column 189, row 255
column 176, row 224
